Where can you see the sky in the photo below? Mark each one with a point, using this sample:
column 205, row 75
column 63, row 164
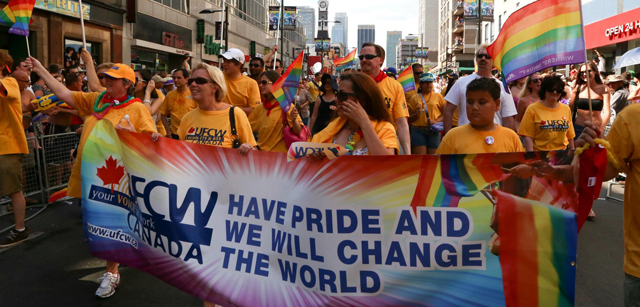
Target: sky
column 396, row 15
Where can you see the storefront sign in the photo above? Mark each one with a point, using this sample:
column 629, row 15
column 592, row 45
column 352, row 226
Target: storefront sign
column 172, row 40
column 161, row 32
column 613, row 30
column 64, row 7
column 210, row 46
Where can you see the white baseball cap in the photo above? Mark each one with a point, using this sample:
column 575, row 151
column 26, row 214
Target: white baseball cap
column 234, row 54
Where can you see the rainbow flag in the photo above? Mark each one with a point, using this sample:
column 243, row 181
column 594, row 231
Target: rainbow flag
column 448, row 178
column 285, row 88
column 542, row 34
column 406, row 79
column 17, row 15
column 538, row 245
column 347, row 61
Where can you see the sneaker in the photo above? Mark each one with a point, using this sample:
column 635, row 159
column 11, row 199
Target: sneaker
column 108, row 284
column 15, row 237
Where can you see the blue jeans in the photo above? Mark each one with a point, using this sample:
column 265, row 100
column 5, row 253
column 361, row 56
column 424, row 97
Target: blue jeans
column 305, row 121
column 631, row 291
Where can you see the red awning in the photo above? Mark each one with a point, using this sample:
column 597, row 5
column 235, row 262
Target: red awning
column 619, row 28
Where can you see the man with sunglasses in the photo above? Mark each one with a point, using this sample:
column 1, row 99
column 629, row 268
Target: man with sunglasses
column 371, row 59
column 418, row 70
column 256, row 67
column 242, row 91
column 457, row 97
column 177, row 103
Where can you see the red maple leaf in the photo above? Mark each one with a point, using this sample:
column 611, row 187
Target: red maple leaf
column 192, row 130
column 544, row 122
column 111, row 173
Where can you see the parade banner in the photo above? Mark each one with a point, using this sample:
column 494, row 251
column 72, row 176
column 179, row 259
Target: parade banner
column 257, row 230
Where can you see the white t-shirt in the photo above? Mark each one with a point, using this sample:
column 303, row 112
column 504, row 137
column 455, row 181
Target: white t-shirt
column 601, row 64
column 458, row 96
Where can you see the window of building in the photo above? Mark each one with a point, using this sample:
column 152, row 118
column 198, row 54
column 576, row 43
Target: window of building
column 486, row 32
column 178, row 5
column 499, row 22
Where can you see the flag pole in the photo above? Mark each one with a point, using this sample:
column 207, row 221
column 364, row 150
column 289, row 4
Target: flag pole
column 84, row 39
column 586, row 65
column 28, row 50
column 275, row 55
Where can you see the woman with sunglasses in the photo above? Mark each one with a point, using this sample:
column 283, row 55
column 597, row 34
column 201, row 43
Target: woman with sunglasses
column 600, row 99
column 362, row 123
column 528, row 95
column 268, row 119
column 210, row 123
column 151, row 98
column 425, row 114
column 321, row 114
column 546, row 125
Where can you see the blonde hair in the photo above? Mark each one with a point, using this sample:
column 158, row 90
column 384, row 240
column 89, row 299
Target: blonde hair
column 526, row 91
column 215, row 74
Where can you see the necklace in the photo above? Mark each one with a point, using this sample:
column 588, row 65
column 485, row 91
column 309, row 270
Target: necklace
column 100, row 112
column 354, row 138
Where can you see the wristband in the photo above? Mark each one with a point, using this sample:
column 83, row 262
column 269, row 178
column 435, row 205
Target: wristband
column 146, row 101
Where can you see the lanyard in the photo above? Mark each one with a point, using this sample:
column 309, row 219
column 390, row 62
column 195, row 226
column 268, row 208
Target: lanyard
column 426, row 111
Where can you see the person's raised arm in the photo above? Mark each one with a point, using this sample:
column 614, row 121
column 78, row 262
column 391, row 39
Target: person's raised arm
column 606, row 110
column 57, row 88
column 269, row 56
column 92, row 77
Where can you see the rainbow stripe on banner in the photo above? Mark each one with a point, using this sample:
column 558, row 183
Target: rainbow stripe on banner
column 406, row 79
column 17, row 15
column 542, row 34
column 347, row 61
column 538, row 252
column 285, row 88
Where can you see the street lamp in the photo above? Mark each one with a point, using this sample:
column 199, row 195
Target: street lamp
column 322, row 25
column 224, row 23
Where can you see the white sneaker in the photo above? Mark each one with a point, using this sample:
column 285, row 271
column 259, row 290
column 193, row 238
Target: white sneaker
column 108, row 284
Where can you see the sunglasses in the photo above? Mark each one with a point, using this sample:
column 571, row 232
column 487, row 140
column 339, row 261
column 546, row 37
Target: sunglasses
column 367, row 56
column 344, row 96
column 536, row 80
column 556, row 90
column 198, row 81
column 140, row 80
column 277, row 67
column 483, row 55
column 265, row 82
column 254, row 65
column 100, row 77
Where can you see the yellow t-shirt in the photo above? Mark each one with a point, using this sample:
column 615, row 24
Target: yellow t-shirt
column 467, row 140
column 138, row 116
column 624, row 138
column 213, row 128
column 313, row 90
column 12, row 137
column 159, row 125
column 269, row 127
column 242, row 92
column 435, row 107
column 550, row 129
column 177, row 105
column 385, row 131
column 394, row 98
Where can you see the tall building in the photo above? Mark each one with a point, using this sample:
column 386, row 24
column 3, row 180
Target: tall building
column 307, row 16
column 405, row 49
column 427, row 25
column 344, row 27
column 366, row 34
column 337, row 35
column 393, row 37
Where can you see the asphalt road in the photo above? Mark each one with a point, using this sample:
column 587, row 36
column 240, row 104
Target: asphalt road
column 55, row 268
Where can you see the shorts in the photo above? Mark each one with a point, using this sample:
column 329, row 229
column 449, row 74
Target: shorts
column 424, row 137
column 631, row 291
column 11, row 170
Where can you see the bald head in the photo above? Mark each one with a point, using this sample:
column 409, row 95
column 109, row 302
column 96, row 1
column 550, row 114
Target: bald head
column 23, row 79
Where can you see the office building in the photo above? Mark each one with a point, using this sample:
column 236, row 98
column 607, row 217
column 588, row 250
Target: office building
column 366, row 34
column 405, row 51
column 342, row 29
column 307, row 16
column 393, row 37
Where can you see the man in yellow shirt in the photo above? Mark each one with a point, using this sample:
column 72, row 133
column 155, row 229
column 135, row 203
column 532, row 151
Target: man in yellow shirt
column 177, row 103
column 371, row 59
column 242, row 91
column 12, row 151
column 314, row 86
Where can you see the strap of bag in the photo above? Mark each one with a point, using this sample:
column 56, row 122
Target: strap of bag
column 234, row 132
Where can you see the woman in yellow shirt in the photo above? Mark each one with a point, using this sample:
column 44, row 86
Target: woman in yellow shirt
column 528, row 95
column 268, row 119
column 363, row 124
column 425, row 114
column 150, row 96
column 210, row 123
column 546, row 125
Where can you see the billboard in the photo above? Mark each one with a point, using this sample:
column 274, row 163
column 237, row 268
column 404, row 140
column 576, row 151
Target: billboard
column 422, row 53
column 486, row 9
column 322, row 44
column 290, row 16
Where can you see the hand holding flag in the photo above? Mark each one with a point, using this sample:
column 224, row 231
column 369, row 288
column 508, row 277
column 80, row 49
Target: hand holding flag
column 284, row 89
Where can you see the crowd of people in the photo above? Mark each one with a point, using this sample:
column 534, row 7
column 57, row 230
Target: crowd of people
column 365, row 111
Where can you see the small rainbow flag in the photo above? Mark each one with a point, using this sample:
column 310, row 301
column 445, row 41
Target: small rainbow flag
column 285, row 88
column 347, row 61
column 542, row 34
column 17, row 15
column 538, row 246
column 406, row 79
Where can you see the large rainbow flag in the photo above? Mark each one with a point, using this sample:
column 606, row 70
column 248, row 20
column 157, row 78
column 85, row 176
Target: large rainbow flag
column 285, row 88
column 542, row 34
column 17, row 15
column 406, row 79
column 538, row 252
column 347, row 61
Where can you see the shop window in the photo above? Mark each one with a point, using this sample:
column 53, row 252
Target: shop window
column 178, row 5
column 93, row 48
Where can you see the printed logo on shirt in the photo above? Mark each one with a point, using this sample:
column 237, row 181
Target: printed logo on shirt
column 555, row 124
column 205, row 136
column 387, row 100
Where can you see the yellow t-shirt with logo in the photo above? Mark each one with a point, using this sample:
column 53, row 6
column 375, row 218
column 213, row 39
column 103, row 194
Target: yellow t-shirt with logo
column 384, row 130
column 269, row 127
column 394, row 98
column 138, row 116
column 242, row 92
column 213, row 128
column 624, row 138
column 176, row 104
column 12, row 137
column 435, row 107
column 467, row 140
column 550, row 129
